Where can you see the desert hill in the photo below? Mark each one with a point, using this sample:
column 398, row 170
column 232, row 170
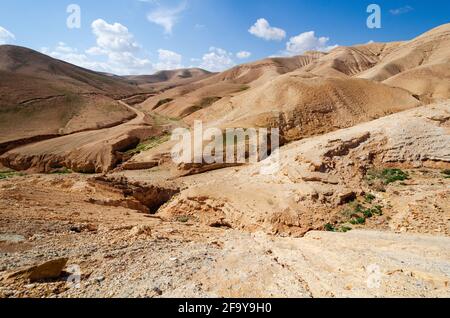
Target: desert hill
column 419, row 65
column 314, row 179
column 57, row 75
column 170, row 76
column 350, row 61
column 41, row 97
column 304, row 95
column 164, row 80
column 184, row 100
column 302, row 105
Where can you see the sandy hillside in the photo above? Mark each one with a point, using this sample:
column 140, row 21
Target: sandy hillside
column 358, row 194
column 168, row 79
column 302, row 105
column 182, row 101
column 318, row 177
column 91, row 151
column 419, row 65
column 56, row 76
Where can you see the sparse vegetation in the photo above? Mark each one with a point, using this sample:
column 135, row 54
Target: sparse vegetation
column 446, row 173
column 183, row 219
column 10, row 174
column 387, row 176
column 345, row 229
column 62, row 171
column 149, row 144
column 358, row 220
column 369, row 198
column 204, row 103
column 331, row 228
column 358, row 213
column 163, row 102
column 207, row 101
column 244, row 88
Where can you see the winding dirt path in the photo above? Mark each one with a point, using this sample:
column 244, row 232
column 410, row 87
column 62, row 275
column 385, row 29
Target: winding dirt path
column 87, row 151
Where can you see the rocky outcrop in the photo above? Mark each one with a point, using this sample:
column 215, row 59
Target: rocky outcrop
column 316, row 177
column 48, row 270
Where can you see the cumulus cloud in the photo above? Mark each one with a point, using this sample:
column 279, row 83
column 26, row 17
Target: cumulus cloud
column 166, row 17
column 113, row 37
column 168, row 60
column 243, row 55
column 308, row 41
column 117, row 44
column 116, row 51
column 262, row 29
column 116, row 62
column 71, row 55
column 401, row 10
column 6, row 36
column 217, row 60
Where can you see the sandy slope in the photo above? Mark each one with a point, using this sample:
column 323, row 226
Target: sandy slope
column 60, row 115
column 317, row 177
column 419, row 65
column 230, row 82
column 90, row 151
column 303, row 105
column 190, row 260
column 168, row 79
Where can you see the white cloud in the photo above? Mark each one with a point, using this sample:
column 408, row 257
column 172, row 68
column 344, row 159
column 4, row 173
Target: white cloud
column 115, row 51
column 168, row 60
column 243, row 55
column 113, row 37
column 117, row 43
column 166, row 17
column 262, row 29
column 217, row 60
column 71, row 55
column 6, row 36
column 116, row 62
column 95, row 50
column 307, row 41
column 401, row 10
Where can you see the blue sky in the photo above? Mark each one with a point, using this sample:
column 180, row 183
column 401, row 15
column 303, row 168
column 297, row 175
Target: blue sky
column 143, row 36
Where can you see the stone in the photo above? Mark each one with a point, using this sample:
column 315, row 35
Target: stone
column 100, row 279
column 48, row 270
column 141, row 230
column 12, row 238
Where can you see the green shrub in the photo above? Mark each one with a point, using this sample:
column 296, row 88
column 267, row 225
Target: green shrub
column 62, row 171
column 359, row 220
column 149, row 144
column 387, row 176
column 329, row 228
column 183, row 219
column 369, row 198
column 345, row 229
column 368, row 213
column 446, row 173
column 377, row 210
column 10, row 174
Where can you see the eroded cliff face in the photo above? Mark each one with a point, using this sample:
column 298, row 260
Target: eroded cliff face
column 318, row 177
